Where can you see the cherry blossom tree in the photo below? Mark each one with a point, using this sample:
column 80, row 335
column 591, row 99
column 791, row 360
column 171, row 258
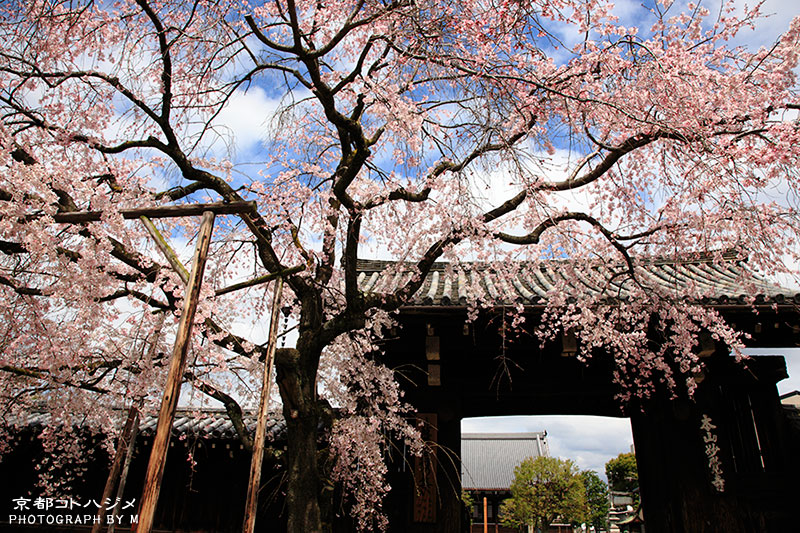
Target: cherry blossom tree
column 493, row 131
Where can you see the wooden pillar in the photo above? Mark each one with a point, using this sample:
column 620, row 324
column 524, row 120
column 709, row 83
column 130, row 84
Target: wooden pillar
column 437, row 505
column 449, row 468
column 715, row 463
column 437, row 492
column 675, row 476
column 485, row 515
column 158, row 455
column 123, row 478
column 251, row 506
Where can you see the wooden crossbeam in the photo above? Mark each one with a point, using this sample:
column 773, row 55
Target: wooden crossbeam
column 177, row 266
column 167, row 211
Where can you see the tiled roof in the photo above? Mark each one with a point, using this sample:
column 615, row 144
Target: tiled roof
column 212, row 423
column 488, row 459
column 714, row 282
column 201, row 422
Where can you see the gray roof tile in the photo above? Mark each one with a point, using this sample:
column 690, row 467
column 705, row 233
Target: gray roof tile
column 488, row 459
column 201, row 422
column 711, row 280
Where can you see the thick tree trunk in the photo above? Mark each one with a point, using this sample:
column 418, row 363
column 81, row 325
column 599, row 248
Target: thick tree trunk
column 298, row 392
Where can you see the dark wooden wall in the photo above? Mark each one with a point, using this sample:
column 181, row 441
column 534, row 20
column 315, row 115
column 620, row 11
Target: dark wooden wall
column 759, row 455
column 207, row 496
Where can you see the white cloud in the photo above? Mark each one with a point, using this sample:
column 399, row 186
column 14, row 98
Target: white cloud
column 496, row 186
column 625, row 9
column 247, row 117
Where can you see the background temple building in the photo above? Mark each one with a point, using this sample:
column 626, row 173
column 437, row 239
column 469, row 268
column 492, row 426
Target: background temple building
column 487, row 470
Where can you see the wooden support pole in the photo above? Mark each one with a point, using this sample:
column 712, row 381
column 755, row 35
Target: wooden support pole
column 251, row 507
column 166, row 249
column 124, row 443
column 166, row 415
column 167, row 211
column 123, row 478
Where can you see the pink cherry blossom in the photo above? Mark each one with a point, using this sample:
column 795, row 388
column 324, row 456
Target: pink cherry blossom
column 502, row 133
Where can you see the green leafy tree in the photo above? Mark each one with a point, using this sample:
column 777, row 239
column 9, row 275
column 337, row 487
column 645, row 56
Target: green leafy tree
column 596, row 499
column 622, row 473
column 545, row 489
column 469, row 504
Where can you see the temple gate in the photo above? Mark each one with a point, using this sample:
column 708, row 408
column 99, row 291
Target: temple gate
column 726, row 459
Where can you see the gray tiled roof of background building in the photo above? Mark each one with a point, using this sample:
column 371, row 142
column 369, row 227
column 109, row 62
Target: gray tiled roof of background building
column 715, row 281
column 212, row 423
column 488, row 459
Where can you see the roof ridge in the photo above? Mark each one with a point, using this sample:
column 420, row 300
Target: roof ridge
column 509, row 435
